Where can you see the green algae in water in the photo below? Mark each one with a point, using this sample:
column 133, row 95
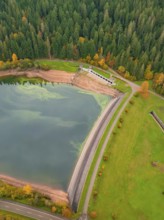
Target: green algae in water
column 42, row 130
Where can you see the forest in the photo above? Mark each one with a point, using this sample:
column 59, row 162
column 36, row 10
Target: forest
column 115, row 33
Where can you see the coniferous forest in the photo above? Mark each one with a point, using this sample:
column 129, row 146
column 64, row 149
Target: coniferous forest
column 125, row 33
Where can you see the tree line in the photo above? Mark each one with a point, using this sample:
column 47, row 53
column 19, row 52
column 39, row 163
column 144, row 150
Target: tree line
column 101, row 32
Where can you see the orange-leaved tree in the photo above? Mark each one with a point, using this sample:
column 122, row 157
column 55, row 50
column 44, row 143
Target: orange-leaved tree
column 1, row 63
column 144, row 89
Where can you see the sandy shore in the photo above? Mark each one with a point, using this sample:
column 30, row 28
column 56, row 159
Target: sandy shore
column 81, row 80
column 55, row 194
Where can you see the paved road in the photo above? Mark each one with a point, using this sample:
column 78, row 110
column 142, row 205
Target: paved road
column 86, row 203
column 134, row 88
column 81, row 170
column 27, row 211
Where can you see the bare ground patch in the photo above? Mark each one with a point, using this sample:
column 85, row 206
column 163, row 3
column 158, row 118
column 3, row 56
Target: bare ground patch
column 84, row 81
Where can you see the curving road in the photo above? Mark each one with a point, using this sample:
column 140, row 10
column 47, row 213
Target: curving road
column 27, row 211
column 82, row 167
column 86, row 203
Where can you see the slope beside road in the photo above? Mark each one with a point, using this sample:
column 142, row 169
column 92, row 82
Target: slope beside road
column 27, row 211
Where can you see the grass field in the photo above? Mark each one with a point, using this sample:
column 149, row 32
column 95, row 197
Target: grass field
column 150, row 83
column 101, row 72
column 130, row 187
column 60, row 65
column 9, row 215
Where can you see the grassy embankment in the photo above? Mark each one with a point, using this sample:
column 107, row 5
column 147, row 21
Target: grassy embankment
column 13, row 216
column 20, row 80
column 60, row 65
column 130, row 187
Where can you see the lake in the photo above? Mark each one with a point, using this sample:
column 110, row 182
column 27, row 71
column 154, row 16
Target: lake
column 42, row 130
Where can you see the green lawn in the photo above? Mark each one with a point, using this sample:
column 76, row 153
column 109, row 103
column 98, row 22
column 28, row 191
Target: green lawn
column 101, row 72
column 122, row 86
column 60, row 65
column 130, row 187
column 13, row 216
column 141, row 81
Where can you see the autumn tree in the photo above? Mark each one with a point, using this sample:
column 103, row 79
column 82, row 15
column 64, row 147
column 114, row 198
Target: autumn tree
column 53, row 209
column 144, row 89
column 66, row 212
column 121, row 69
column 158, row 83
column 27, row 189
column 1, row 64
column 14, row 57
column 101, row 62
column 93, row 214
column 96, row 57
column 148, row 73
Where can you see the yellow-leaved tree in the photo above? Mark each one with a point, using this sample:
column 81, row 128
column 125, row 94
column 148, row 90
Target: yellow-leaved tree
column 27, row 189
column 14, row 57
column 101, row 62
column 121, row 69
column 1, row 63
column 148, row 73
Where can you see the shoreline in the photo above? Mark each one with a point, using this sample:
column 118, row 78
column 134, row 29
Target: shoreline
column 56, row 195
column 84, row 161
column 81, row 80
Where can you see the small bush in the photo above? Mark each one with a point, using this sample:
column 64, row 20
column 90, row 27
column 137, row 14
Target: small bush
column 103, row 167
column 100, row 173
column 95, row 193
column 121, row 120
column 53, row 209
column 44, row 67
column 93, row 214
column 105, row 158
column 119, row 125
column 114, row 133
column 114, row 217
column 66, row 212
column 126, row 111
column 131, row 102
column 136, row 94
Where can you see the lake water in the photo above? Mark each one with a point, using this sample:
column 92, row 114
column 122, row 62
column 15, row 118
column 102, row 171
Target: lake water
column 42, row 130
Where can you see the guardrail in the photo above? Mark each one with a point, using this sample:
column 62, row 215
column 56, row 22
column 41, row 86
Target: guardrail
column 100, row 76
